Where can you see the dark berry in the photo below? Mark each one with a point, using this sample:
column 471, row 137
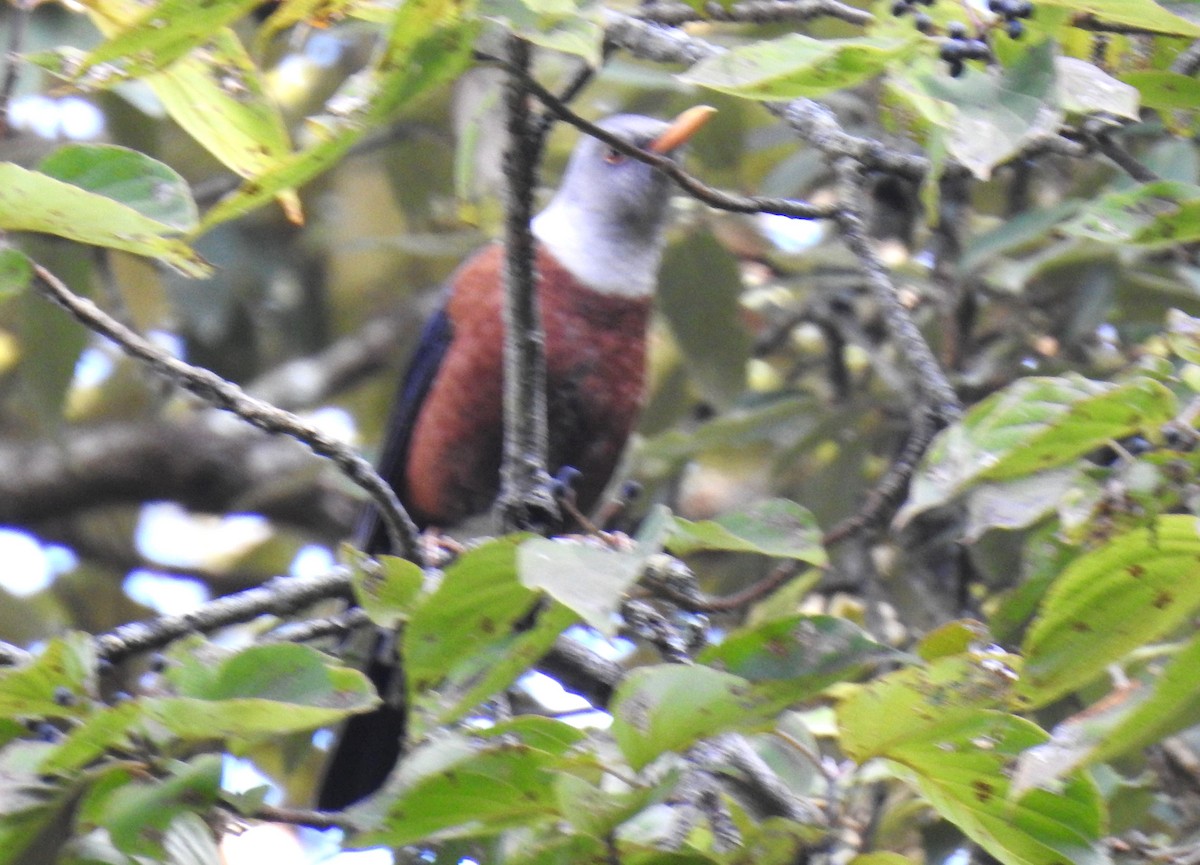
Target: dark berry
column 63, row 696
column 951, row 50
column 976, row 49
column 158, row 663
column 956, row 68
column 630, row 491
column 956, row 30
column 1136, row 445
column 568, row 476
column 901, row 7
column 48, row 732
column 997, row 6
column 1014, row 29
column 923, row 23
column 1022, row 9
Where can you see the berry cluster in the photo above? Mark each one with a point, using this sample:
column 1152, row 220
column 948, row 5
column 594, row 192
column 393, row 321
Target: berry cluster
column 903, row 7
column 957, row 48
column 1012, row 11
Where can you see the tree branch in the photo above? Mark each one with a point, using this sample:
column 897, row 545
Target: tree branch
column 525, row 499
column 281, row 596
column 225, row 395
column 754, row 12
column 927, row 377
column 18, row 18
column 202, row 461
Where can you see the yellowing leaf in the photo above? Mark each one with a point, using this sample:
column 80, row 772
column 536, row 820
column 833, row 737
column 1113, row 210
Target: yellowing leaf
column 796, row 65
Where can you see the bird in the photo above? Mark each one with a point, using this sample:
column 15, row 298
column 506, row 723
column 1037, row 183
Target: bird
column 598, row 245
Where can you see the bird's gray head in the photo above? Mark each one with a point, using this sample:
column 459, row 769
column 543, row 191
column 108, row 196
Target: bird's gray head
column 605, row 224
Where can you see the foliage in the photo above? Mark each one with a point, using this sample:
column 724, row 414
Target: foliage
column 999, row 668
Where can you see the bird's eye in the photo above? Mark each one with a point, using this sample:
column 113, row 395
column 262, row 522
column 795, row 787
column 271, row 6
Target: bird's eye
column 612, row 156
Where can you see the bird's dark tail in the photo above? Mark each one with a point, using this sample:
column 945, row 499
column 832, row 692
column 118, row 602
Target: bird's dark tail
column 369, row 745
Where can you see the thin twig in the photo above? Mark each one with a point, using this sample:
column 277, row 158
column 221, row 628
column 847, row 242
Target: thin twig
column 883, row 499
column 304, row 817
column 1188, row 60
column 754, row 12
column 954, row 186
column 543, row 124
column 13, row 656
column 280, row 596
column 217, row 391
column 1088, row 21
column 1102, row 138
column 18, row 17
column 525, row 499
column 717, row 198
column 315, row 629
column 928, row 379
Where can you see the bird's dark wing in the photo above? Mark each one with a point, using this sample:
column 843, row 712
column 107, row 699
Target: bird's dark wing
column 435, row 339
column 369, row 745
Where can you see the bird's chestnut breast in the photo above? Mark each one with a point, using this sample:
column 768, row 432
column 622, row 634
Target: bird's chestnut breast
column 595, row 363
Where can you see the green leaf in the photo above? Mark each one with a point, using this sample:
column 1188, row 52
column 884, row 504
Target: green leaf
column 91, row 738
column 216, row 95
column 1153, row 214
column 940, row 723
column 476, row 634
column 796, row 66
column 286, row 672
column 807, row 652
column 996, row 115
column 1033, row 425
column 153, row 189
column 698, row 293
column 560, row 25
column 774, row 527
column 1183, row 335
column 598, row 811
column 1084, row 88
column 189, row 841
column 15, row 272
column 164, row 34
column 34, row 201
column 429, row 44
column 918, row 703
column 588, row 576
column 962, row 773
column 385, row 587
column 260, row 691
column 317, row 12
column 1022, row 230
column 1163, row 90
column 545, row 734
column 1135, row 588
column 1126, row 721
column 67, row 662
column 669, row 707
column 1142, row 14
column 135, row 813
column 1019, row 503
column 953, row 638
column 453, row 788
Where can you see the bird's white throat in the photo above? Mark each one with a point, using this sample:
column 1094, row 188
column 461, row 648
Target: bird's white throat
column 606, row 260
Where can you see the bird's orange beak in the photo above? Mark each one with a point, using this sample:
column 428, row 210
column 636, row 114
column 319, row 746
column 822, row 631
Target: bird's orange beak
column 681, row 129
